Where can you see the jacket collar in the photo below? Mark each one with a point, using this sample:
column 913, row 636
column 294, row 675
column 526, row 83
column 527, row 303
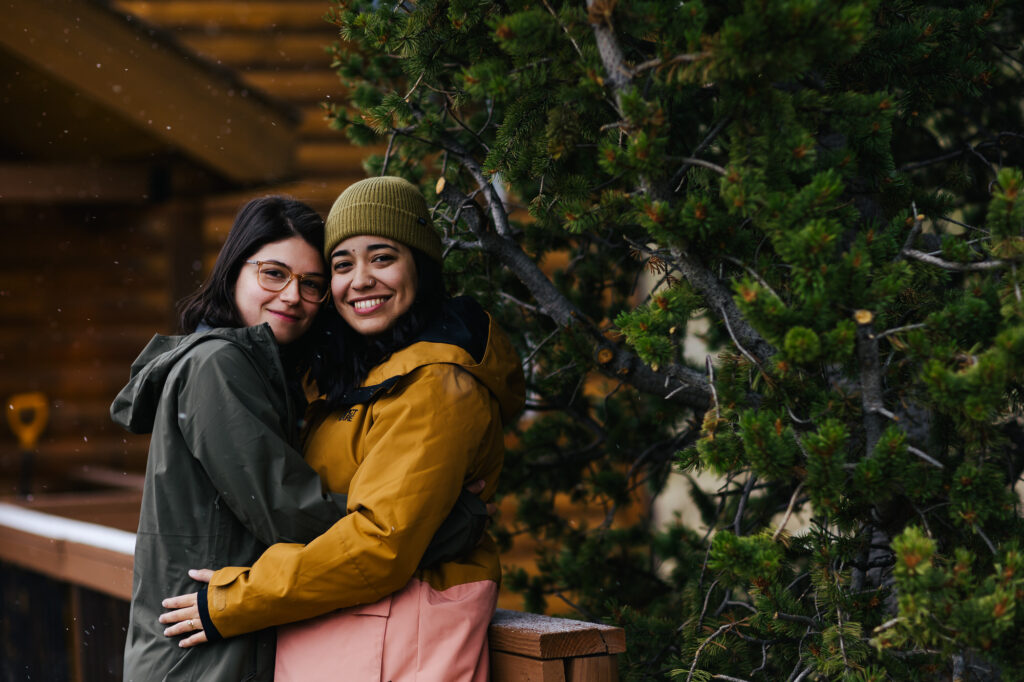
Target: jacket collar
column 463, row 335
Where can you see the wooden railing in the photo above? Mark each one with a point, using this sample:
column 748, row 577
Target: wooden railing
column 62, row 577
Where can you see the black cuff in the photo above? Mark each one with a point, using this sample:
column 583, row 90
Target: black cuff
column 204, row 615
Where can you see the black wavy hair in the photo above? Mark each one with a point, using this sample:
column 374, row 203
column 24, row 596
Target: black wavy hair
column 345, row 357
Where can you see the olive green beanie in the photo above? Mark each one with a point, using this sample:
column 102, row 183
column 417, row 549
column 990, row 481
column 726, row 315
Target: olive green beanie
column 385, row 206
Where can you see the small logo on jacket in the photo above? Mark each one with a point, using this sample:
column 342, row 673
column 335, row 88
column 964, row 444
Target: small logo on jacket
column 348, row 416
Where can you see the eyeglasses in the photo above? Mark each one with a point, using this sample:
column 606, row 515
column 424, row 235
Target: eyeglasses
column 275, row 277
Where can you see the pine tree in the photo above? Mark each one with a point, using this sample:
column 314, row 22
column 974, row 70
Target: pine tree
column 835, row 187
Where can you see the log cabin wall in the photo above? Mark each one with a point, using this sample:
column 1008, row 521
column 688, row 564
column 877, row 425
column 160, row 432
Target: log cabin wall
column 73, row 319
column 113, row 138
column 278, row 47
column 82, row 290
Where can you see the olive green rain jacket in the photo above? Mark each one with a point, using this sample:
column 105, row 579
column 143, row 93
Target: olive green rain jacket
column 223, row 482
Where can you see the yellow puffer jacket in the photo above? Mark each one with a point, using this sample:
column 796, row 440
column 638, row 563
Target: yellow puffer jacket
column 428, row 421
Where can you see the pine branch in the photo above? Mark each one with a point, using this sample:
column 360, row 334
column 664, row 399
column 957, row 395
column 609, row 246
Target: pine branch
column 677, row 178
column 688, row 58
column 677, row 383
column 619, row 74
column 794, row 618
column 707, row 641
column 925, row 456
column 870, row 380
column 693, row 268
column 737, row 523
column 789, row 512
column 565, row 30
column 689, row 161
column 980, row 266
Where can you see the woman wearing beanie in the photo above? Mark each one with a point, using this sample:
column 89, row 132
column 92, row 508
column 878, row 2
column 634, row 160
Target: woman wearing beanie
column 416, row 391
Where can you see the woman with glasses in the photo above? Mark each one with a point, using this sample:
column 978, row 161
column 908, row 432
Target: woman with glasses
column 224, row 404
column 418, row 388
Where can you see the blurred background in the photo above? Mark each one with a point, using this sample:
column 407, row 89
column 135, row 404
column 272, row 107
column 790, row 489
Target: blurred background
column 131, row 133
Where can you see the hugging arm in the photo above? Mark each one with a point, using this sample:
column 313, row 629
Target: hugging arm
column 417, row 458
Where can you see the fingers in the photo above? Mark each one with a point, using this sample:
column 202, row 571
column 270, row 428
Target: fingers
column 180, row 602
column 492, row 509
column 185, row 627
column 197, row 638
column 192, row 627
column 202, row 575
column 181, row 621
column 184, row 618
column 476, row 487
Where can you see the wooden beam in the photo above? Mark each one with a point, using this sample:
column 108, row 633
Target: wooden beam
column 223, row 15
column 74, row 183
column 102, row 561
column 147, row 79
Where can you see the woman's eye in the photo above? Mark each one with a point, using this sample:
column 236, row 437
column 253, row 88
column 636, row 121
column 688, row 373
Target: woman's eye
column 273, row 274
column 341, row 265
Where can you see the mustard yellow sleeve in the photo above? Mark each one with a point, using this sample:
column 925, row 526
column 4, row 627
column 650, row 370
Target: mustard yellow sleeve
column 422, row 447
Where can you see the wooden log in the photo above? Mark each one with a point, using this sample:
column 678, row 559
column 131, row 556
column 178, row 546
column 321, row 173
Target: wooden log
column 256, row 48
column 221, row 15
column 296, row 85
column 506, row 667
column 325, row 157
column 315, row 124
column 319, row 193
column 592, row 669
column 75, row 182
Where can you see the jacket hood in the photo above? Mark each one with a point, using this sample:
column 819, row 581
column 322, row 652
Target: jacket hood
column 135, row 406
column 464, row 335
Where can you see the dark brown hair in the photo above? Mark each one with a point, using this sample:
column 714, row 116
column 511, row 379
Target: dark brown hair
column 260, row 222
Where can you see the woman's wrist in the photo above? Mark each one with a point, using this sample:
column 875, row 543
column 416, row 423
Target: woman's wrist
column 212, row 634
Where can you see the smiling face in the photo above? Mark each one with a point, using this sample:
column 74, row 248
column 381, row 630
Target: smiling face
column 288, row 314
column 373, row 282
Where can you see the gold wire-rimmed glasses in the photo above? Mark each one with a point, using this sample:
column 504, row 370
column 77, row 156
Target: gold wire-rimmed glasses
column 276, row 276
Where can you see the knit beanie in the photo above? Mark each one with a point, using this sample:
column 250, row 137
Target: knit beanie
column 386, row 206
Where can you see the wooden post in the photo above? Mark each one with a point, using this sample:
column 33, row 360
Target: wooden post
column 527, row 647
column 75, row 648
column 181, row 222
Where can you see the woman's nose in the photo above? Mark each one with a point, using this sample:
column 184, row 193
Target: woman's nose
column 290, row 293
column 362, row 278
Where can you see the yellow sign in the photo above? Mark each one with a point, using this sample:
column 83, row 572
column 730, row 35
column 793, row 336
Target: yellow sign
column 27, row 414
